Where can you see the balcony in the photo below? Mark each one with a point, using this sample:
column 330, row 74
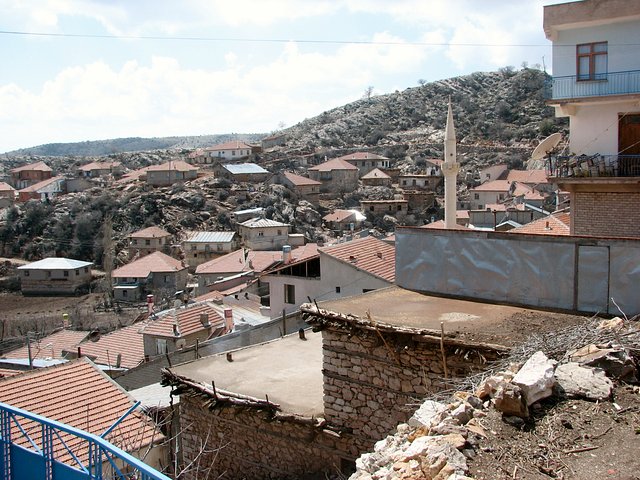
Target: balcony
column 38, row 448
column 604, row 85
column 594, row 166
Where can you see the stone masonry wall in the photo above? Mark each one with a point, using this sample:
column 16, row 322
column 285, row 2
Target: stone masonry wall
column 251, row 445
column 371, row 385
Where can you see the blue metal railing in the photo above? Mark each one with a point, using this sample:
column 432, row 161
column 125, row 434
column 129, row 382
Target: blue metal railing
column 593, row 166
column 35, row 447
column 614, row 83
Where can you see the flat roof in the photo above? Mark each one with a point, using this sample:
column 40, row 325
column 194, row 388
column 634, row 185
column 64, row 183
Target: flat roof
column 467, row 320
column 288, row 370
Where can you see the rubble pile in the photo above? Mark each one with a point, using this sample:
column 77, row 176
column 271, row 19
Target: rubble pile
column 442, row 439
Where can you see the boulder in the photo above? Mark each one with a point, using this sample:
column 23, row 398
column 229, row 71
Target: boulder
column 430, row 413
column 576, row 380
column 535, row 378
column 510, row 401
column 490, row 385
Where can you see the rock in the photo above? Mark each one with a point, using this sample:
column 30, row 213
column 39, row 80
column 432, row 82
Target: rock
column 463, row 413
column 616, row 362
column 535, row 378
column 616, row 323
column 576, row 380
column 429, row 414
column 490, row 385
column 514, row 421
column 509, row 400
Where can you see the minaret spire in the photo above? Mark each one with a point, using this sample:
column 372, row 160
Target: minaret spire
column 450, row 170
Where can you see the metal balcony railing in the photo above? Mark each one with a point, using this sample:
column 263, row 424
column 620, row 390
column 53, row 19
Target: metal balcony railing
column 37, row 448
column 576, row 166
column 604, row 84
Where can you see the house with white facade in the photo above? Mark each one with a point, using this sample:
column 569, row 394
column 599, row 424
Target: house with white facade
column 264, row 234
column 55, row 276
column 200, row 247
column 366, row 161
column 233, row 150
column 596, row 84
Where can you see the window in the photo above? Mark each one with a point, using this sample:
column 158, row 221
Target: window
column 399, row 208
column 261, row 234
column 279, row 232
column 194, row 247
column 166, row 279
column 77, row 272
column 233, row 152
column 289, row 293
column 501, row 196
column 26, row 273
column 337, row 289
column 147, row 242
column 404, row 182
column 476, row 196
column 161, row 346
column 219, row 247
column 86, row 269
column 371, row 208
column 124, row 293
column 65, row 273
column 591, row 61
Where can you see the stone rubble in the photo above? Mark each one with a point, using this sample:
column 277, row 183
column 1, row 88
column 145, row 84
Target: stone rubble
column 576, row 380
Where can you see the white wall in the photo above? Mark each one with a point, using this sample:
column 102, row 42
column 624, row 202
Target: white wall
column 304, row 287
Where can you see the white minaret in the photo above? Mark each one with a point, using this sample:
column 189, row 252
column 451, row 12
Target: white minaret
column 450, row 170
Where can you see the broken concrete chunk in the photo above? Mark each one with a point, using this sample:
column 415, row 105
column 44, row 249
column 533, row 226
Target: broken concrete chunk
column 462, row 413
column 510, row 401
column 616, row 362
column 576, row 380
column 429, row 414
column 535, row 378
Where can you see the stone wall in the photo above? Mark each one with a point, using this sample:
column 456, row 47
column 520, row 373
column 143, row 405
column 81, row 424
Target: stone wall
column 374, row 380
column 246, row 442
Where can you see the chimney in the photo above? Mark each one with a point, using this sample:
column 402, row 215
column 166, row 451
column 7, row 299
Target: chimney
column 228, row 320
column 229, row 357
column 118, row 360
column 79, row 352
column 286, row 254
column 176, row 332
column 65, row 320
column 301, row 334
column 204, row 320
column 379, row 254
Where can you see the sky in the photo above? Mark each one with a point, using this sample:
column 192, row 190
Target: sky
column 76, row 70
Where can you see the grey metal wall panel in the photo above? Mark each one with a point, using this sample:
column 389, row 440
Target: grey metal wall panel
column 593, row 278
column 624, row 279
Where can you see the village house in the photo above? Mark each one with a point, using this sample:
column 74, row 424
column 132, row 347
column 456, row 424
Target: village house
column 48, row 347
column 376, row 178
column 55, row 276
column 419, row 199
column 148, row 240
column 156, row 274
column 494, row 191
column 174, row 171
column 242, row 172
column 44, row 190
column 336, row 176
column 419, row 182
column 494, row 172
column 595, row 84
column 100, row 169
column 304, row 187
column 341, row 220
column 8, row 194
column 22, row 177
column 200, row 247
column 182, row 327
column 233, row 150
column 79, row 395
column 274, row 140
column 265, row 234
column 554, row 224
column 366, row 161
column 384, row 207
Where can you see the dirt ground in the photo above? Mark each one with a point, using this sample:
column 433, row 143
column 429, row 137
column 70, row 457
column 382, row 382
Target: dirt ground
column 565, row 439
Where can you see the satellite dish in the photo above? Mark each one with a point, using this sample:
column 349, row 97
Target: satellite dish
column 546, row 145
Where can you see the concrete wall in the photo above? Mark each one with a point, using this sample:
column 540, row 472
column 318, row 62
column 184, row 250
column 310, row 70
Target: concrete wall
column 350, row 279
column 254, row 446
column 304, row 287
column 371, row 387
column 54, row 282
column 272, row 238
column 571, row 273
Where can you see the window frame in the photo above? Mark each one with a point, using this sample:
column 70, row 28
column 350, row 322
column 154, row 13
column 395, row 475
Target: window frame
column 592, row 74
column 289, row 294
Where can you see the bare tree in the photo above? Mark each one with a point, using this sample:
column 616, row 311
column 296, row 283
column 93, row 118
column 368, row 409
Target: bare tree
column 368, row 92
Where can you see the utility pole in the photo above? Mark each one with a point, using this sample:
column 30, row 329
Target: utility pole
column 107, row 253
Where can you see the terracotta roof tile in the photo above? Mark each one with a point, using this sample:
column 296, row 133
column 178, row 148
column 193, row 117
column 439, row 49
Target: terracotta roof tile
column 556, row 224
column 156, row 262
column 299, row 180
column 338, row 216
column 6, row 372
column 259, row 260
column 375, row 173
column 5, row 187
column 177, row 165
column 127, row 341
column 77, row 394
column 335, row 164
column 37, row 186
column 369, row 254
column 232, row 145
column 41, row 166
column 99, row 166
column 150, row 232
column 50, row 346
column 527, row 176
column 362, row 156
column 187, row 320
column 493, row 186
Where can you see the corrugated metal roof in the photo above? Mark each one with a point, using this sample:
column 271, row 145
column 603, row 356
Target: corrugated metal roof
column 55, row 263
column 244, row 168
column 263, row 223
column 368, row 254
column 211, row 237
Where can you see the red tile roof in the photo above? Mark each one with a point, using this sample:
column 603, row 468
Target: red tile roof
column 156, row 262
column 299, row 180
column 127, row 341
column 338, row 216
column 133, row 175
column 527, row 176
column 362, row 156
column 40, row 166
column 50, row 346
column 5, row 187
column 187, row 320
column 369, row 254
column 37, row 186
column 177, row 165
column 375, row 173
column 77, row 394
column 150, row 232
column 232, row 145
column 6, row 372
column 335, row 164
column 556, row 224
column 493, row 186
column 99, row 166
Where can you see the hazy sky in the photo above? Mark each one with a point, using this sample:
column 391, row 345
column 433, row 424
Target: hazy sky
column 221, row 66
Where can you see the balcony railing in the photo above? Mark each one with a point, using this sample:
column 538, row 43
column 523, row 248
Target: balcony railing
column 38, row 448
column 614, row 83
column 577, row 166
